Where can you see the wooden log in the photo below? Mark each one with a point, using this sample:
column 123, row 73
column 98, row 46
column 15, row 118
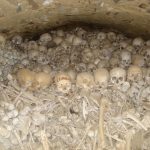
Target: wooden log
column 30, row 16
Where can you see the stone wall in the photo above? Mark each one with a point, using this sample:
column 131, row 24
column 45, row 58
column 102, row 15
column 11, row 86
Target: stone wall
column 30, row 16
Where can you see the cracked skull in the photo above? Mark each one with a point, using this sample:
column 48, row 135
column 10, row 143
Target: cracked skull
column 63, row 82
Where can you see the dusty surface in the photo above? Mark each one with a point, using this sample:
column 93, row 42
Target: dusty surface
column 79, row 110
column 27, row 16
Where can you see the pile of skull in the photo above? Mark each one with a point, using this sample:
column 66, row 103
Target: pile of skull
column 83, row 58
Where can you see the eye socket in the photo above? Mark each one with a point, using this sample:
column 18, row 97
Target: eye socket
column 114, row 78
column 121, row 78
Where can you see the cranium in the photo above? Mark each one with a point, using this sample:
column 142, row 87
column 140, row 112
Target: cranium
column 57, row 40
column 45, row 39
column 148, row 42
column 91, row 67
column 85, row 80
column 75, row 56
column 101, row 36
column 101, row 77
column 81, row 33
column 123, row 44
column 138, row 43
column 33, row 54
column 125, row 58
column 87, row 56
column 42, row 49
column 60, row 33
column 148, row 75
column 76, row 41
column 120, row 37
column 94, row 44
column 147, row 55
column 81, row 67
column 134, row 73
column 117, row 76
column 111, row 36
column 138, row 60
column 17, row 40
column 69, row 38
column 63, row 82
column 32, row 45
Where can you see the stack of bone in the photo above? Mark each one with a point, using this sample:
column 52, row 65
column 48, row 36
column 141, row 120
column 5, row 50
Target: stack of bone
column 75, row 72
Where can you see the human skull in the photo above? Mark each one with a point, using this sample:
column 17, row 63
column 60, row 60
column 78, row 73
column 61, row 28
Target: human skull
column 101, row 36
column 94, row 44
column 125, row 58
column 147, row 76
column 72, row 75
column 65, row 45
column 17, row 40
column 42, row 49
column 123, row 44
column 32, row 45
column 57, row 40
column 87, row 56
column 120, row 37
column 63, row 82
column 101, row 77
column 148, row 42
column 76, row 41
column 45, row 39
column 81, row 33
column 60, row 33
column 138, row 60
column 33, row 54
column 105, row 53
column 134, row 73
column 117, row 76
column 75, row 57
column 147, row 55
column 69, row 38
column 85, row 80
column 81, row 67
column 111, row 36
column 138, row 43
column 91, row 67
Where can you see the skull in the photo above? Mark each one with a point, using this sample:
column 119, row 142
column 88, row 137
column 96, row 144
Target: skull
column 138, row 43
column 81, row 33
column 111, row 36
column 33, row 54
column 63, row 82
column 81, row 67
column 120, row 37
column 60, row 33
column 101, row 77
column 123, row 44
column 45, row 39
column 101, row 36
column 94, row 44
column 42, row 49
column 87, row 56
column 134, row 73
column 17, row 40
column 91, row 67
column 69, row 38
column 75, row 57
column 65, row 45
column 106, row 53
column 148, row 42
column 76, row 41
column 125, row 58
column 72, row 75
column 117, row 76
column 85, row 80
column 146, row 75
column 32, row 45
column 138, row 60
column 57, row 40
column 147, row 55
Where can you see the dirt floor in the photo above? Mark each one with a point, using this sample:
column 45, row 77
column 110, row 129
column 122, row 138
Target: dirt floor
column 75, row 90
